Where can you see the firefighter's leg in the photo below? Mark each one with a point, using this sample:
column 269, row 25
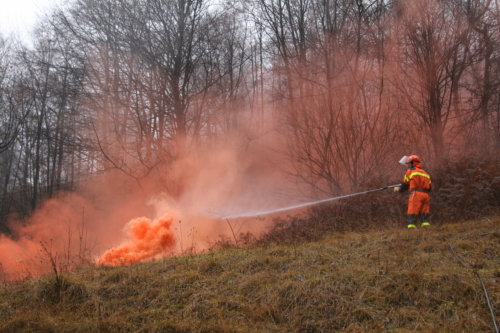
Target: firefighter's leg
column 412, row 211
column 426, row 203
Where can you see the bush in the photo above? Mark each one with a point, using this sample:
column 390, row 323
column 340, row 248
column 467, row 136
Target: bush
column 466, row 188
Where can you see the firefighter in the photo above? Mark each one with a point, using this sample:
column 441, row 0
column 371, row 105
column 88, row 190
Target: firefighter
column 419, row 183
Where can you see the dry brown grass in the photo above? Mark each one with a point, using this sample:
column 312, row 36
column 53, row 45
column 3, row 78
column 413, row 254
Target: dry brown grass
column 395, row 280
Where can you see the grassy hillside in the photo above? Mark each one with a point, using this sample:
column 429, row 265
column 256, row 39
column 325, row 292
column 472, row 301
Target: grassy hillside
column 395, row 280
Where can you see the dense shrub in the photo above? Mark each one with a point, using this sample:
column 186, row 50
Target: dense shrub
column 463, row 189
column 466, row 188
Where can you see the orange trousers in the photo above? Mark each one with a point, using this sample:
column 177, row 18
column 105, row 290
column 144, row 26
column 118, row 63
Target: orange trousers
column 419, row 203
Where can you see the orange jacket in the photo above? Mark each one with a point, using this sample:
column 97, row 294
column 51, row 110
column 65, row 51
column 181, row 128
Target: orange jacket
column 416, row 179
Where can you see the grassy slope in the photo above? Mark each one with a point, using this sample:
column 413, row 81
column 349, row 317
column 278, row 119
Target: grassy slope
column 388, row 281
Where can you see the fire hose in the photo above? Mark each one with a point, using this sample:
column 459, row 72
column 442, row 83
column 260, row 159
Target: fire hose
column 480, row 279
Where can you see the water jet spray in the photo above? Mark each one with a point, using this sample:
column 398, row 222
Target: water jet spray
column 307, row 203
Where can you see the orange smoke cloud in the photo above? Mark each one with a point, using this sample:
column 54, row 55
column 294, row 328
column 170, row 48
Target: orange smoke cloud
column 147, row 239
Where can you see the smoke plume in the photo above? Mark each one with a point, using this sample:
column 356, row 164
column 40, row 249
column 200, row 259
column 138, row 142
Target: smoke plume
column 147, row 239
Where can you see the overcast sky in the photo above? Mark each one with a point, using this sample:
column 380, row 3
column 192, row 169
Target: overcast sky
column 21, row 15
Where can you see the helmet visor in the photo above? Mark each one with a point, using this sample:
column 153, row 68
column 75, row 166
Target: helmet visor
column 403, row 160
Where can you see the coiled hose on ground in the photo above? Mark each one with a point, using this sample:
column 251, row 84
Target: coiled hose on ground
column 479, row 277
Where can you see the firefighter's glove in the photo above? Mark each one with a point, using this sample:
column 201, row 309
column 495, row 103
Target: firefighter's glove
column 396, row 189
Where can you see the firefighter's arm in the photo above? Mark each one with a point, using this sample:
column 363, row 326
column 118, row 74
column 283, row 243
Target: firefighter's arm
column 405, row 185
column 402, row 188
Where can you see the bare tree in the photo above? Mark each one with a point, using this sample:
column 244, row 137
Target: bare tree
column 435, row 51
column 339, row 122
column 11, row 116
column 482, row 78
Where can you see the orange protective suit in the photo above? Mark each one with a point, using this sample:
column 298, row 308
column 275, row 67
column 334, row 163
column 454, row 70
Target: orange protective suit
column 418, row 182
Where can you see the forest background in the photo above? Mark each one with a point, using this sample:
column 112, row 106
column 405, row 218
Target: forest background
column 229, row 106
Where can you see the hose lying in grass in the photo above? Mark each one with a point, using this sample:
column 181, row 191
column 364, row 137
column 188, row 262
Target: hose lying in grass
column 480, row 279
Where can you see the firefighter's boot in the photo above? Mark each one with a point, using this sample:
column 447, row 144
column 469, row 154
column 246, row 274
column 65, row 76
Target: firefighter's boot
column 411, row 221
column 425, row 220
